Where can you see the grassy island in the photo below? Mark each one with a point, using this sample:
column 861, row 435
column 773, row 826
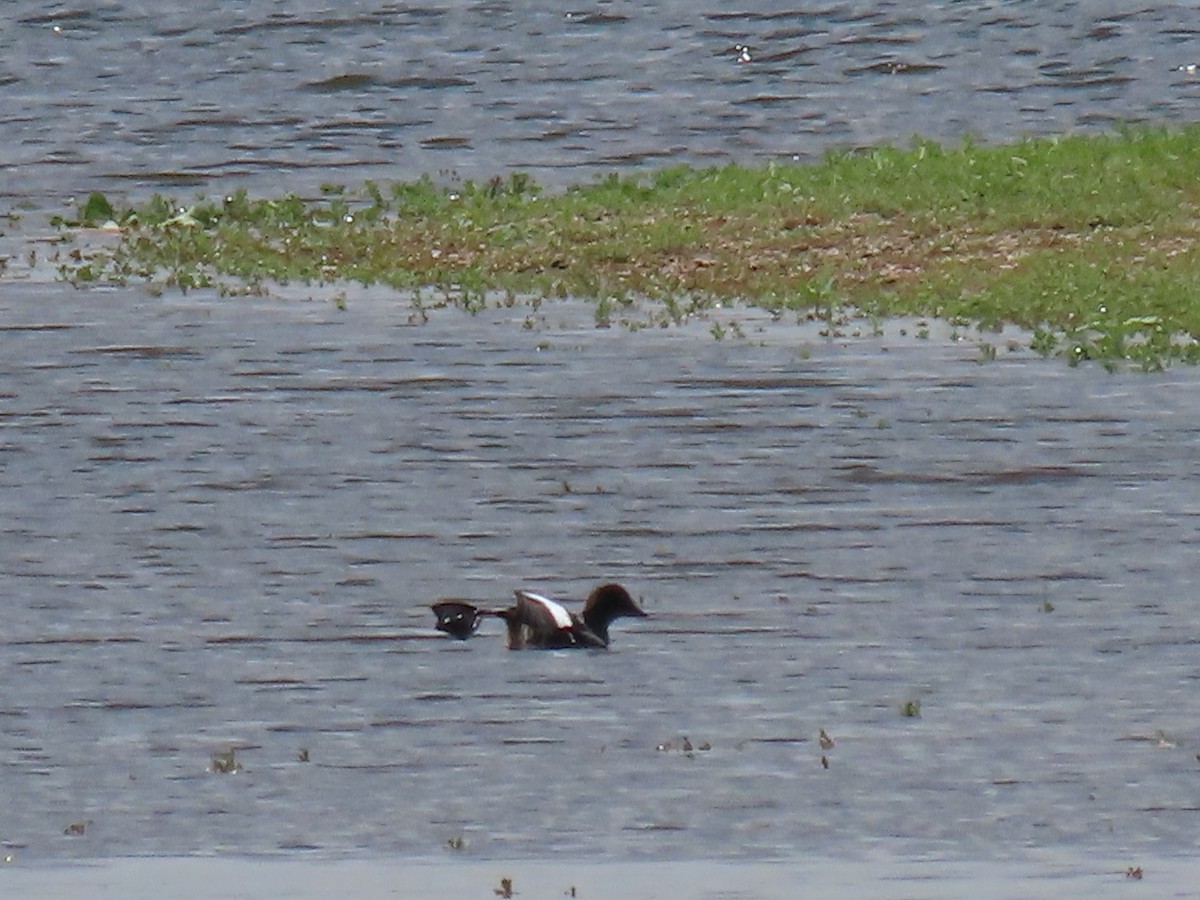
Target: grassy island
column 1089, row 242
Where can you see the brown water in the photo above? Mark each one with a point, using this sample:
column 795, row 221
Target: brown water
column 221, row 522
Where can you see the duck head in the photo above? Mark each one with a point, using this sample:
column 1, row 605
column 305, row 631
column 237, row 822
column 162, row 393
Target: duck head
column 606, row 604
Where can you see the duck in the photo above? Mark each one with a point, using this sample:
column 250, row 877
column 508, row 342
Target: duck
column 457, row 618
column 538, row 622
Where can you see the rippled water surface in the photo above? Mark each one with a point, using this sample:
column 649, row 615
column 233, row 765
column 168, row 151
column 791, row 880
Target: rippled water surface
column 135, row 96
column 221, row 522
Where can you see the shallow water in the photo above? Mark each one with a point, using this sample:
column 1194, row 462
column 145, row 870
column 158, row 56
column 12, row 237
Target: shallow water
column 131, row 97
column 874, row 879
column 221, row 523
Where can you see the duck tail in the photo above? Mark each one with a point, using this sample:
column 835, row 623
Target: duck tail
column 458, row 618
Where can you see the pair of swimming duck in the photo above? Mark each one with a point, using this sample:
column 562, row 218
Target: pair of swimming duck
column 537, row 622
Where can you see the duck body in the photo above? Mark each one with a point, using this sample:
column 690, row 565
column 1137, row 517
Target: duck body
column 538, row 622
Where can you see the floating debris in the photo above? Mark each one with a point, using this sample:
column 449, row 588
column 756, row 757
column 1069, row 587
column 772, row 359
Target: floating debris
column 1134, row 872
column 825, row 740
column 824, row 762
column 1160, row 739
column 458, row 842
column 505, row 890
column 896, row 67
column 77, row 828
column 302, row 756
column 225, row 762
column 911, row 709
column 595, row 18
column 684, row 746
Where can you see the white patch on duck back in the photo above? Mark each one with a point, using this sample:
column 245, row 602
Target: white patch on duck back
column 562, row 618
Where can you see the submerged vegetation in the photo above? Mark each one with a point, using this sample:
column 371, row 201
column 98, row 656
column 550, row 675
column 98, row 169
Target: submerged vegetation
column 1086, row 241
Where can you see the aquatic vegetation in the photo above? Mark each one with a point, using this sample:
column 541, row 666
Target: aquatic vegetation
column 96, row 210
column 684, row 746
column 911, row 709
column 1085, row 241
column 225, row 762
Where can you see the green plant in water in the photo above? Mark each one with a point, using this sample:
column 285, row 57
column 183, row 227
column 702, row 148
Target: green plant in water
column 911, row 709
column 1039, row 233
column 97, row 210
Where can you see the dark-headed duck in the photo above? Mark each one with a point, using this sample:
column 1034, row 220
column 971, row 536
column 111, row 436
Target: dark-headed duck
column 539, row 622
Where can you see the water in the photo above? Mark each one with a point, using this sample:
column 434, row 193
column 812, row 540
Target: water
column 221, row 523
column 131, row 97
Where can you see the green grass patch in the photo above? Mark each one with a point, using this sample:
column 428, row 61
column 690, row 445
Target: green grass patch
column 1087, row 241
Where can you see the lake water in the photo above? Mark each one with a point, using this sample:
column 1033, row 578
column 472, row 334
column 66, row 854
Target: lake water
column 133, row 97
column 221, row 522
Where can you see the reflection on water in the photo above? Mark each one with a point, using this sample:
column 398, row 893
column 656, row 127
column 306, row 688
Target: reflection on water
column 221, row 524
column 134, row 97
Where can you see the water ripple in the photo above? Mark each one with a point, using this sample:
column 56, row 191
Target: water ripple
column 215, row 97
